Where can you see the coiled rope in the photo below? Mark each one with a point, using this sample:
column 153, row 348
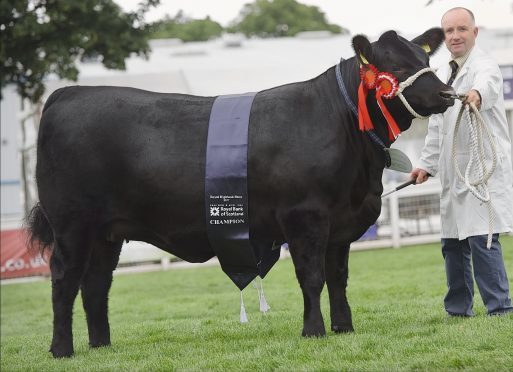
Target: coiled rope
column 477, row 173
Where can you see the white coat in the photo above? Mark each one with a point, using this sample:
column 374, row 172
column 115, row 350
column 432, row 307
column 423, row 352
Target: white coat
column 462, row 214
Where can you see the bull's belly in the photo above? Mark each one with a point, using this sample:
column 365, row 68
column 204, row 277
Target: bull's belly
column 187, row 241
column 195, row 248
column 192, row 246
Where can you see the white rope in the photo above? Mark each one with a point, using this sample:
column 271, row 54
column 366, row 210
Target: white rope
column 477, row 173
column 264, row 306
column 243, row 315
column 405, row 84
column 410, row 109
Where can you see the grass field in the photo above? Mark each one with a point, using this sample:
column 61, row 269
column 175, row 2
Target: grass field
column 188, row 320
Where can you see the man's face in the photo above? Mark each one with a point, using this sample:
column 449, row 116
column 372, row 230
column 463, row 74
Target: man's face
column 460, row 32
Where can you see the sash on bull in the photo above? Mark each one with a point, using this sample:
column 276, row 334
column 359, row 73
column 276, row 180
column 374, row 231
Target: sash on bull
column 117, row 164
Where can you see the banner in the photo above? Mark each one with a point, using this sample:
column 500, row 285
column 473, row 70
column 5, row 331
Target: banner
column 16, row 261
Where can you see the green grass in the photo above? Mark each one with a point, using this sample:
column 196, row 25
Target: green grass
column 188, row 320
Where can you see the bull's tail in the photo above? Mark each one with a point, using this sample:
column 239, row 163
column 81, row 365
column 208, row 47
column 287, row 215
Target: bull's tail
column 40, row 233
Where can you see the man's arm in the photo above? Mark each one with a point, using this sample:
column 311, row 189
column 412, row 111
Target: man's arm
column 420, row 175
column 473, row 96
column 428, row 163
column 486, row 86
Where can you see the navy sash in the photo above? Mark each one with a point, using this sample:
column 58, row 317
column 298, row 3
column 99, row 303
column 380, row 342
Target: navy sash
column 226, row 191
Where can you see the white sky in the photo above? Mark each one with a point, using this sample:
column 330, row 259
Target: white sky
column 370, row 17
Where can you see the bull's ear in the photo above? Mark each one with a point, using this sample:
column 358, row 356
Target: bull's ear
column 363, row 49
column 430, row 40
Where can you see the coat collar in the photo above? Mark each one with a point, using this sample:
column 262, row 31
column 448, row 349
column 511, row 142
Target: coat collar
column 461, row 60
column 474, row 53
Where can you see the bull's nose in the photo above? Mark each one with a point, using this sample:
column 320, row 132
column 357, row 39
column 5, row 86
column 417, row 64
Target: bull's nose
column 448, row 93
column 448, row 96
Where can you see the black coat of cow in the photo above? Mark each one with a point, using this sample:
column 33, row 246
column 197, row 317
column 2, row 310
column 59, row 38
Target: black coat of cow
column 119, row 163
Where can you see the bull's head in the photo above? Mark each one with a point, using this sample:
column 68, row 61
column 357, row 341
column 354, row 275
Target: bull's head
column 425, row 93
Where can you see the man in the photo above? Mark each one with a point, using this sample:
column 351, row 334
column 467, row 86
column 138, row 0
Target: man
column 465, row 222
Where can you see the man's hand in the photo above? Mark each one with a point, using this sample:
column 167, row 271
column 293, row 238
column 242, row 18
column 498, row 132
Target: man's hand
column 474, row 97
column 420, row 175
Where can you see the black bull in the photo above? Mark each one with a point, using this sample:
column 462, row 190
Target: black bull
column 119, row 163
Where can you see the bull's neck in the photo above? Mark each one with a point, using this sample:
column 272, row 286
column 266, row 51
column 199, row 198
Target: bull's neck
column 351, row 147
column 348, row 119
column 355, row 149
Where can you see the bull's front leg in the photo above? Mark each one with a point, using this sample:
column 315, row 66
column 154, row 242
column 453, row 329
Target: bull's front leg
column 337, row 270
column 307, row 235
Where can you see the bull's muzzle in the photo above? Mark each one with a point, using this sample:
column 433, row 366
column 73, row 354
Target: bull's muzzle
column 449, row 96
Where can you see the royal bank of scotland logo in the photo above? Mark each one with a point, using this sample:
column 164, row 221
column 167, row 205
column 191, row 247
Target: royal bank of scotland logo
column 214, row 211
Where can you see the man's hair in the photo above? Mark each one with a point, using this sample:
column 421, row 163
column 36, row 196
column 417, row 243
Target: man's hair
column 465, row 9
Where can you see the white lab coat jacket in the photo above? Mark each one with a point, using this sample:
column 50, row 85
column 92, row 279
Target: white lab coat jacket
column 462, row 214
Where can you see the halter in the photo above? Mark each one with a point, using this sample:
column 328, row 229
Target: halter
column 387, row 87
column 405, row 84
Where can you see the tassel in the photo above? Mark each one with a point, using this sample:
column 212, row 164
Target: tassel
column 364, row 120
column 255, row 285
column 393, row 128
column 243, row 316
column 264, row 306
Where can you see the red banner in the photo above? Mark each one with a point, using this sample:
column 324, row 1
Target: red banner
column 16, row 260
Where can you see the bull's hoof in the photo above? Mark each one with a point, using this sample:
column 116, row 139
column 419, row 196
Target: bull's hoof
column 346, row 328
column 96, row 343
column 314, row 332
column 61, row 351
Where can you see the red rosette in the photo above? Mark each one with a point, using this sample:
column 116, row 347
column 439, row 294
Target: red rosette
column 387, row 85
column 369, row 75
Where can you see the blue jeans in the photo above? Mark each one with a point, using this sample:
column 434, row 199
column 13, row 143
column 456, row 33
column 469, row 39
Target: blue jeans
column 489, row 273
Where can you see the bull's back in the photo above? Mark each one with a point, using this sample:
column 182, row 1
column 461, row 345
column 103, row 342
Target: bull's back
column 128, row 154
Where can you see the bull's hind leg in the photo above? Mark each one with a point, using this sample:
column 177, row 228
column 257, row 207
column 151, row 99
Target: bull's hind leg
column 307, row 234
column 67, row 264
column 95, row 289
column 337, row 259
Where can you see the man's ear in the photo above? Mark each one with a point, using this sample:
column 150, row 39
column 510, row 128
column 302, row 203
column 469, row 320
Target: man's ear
column 363, row 50
column 430, row 40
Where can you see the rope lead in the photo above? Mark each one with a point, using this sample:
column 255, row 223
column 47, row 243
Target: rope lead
column 477, row 173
